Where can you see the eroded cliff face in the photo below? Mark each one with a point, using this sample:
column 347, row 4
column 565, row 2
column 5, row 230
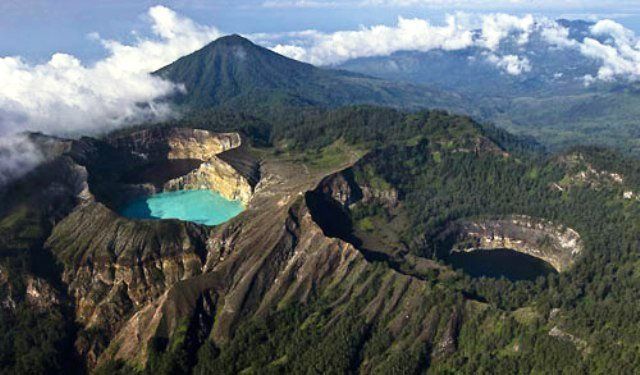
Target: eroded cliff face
column 132, row 282
column 113, row 266
column 276, row 254
column 200, row 144
column 38, row 293
column 258, row 266
column 176, row 143
column 291, row 262
column 344, row 189
column 103, row 251
column 555, row 244
column 214, row 173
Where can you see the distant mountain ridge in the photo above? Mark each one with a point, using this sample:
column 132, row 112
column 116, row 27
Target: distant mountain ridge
column 234, row 72
column 550, row 101
column 471, row 72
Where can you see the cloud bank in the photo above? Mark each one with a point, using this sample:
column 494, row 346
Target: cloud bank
column 511, row 64
column 619, row 54
column 408, row 34
column 460, row 31
column 66, row 97
column 616, row 48
column 18, row 155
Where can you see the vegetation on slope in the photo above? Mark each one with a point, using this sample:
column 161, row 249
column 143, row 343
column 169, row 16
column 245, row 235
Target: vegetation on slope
column 446, row 168
column 234, row 73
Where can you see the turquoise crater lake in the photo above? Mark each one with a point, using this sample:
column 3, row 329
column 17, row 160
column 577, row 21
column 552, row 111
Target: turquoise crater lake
column 198, row 206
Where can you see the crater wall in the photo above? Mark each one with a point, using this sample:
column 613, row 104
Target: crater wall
column 557, row 245
column 215, row 173
column 176, row 143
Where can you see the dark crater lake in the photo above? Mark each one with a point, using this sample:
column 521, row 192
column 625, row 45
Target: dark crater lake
column 499, row 263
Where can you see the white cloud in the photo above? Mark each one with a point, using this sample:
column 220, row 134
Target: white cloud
column 65, row 96
column 619, row 53
column 408, row 34
column 557, row 35
column 496, row 27
column 614, row 46
column 18, row 155
column 459, row 32
column 294, row 52
column 511, row 64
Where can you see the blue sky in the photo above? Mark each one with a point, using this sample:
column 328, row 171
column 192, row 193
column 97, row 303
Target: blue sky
column 35, row 29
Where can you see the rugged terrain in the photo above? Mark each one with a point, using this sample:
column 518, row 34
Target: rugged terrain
column 325, row 251
column 339, row 262
column 542, row 239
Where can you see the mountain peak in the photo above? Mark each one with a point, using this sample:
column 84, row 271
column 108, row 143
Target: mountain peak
column 233, row 39
column 233, row 71
column 227, row 43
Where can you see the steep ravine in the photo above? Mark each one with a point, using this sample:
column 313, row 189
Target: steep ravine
column 337, row 194
column 272, row 255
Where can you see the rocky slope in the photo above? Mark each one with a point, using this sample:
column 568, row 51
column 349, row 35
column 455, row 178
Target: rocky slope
column 132, row 283
column 298, row 260
column 276, row 254
column 214, row 174
column 175, row 143
column 112, row 266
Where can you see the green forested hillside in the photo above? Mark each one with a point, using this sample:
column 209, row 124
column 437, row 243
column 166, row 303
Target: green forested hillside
column 510, row 330
column 340, row 263
column 236, row 74
column 606, row 117
column 581, row 320
column 233, row 72
column 549, row 101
